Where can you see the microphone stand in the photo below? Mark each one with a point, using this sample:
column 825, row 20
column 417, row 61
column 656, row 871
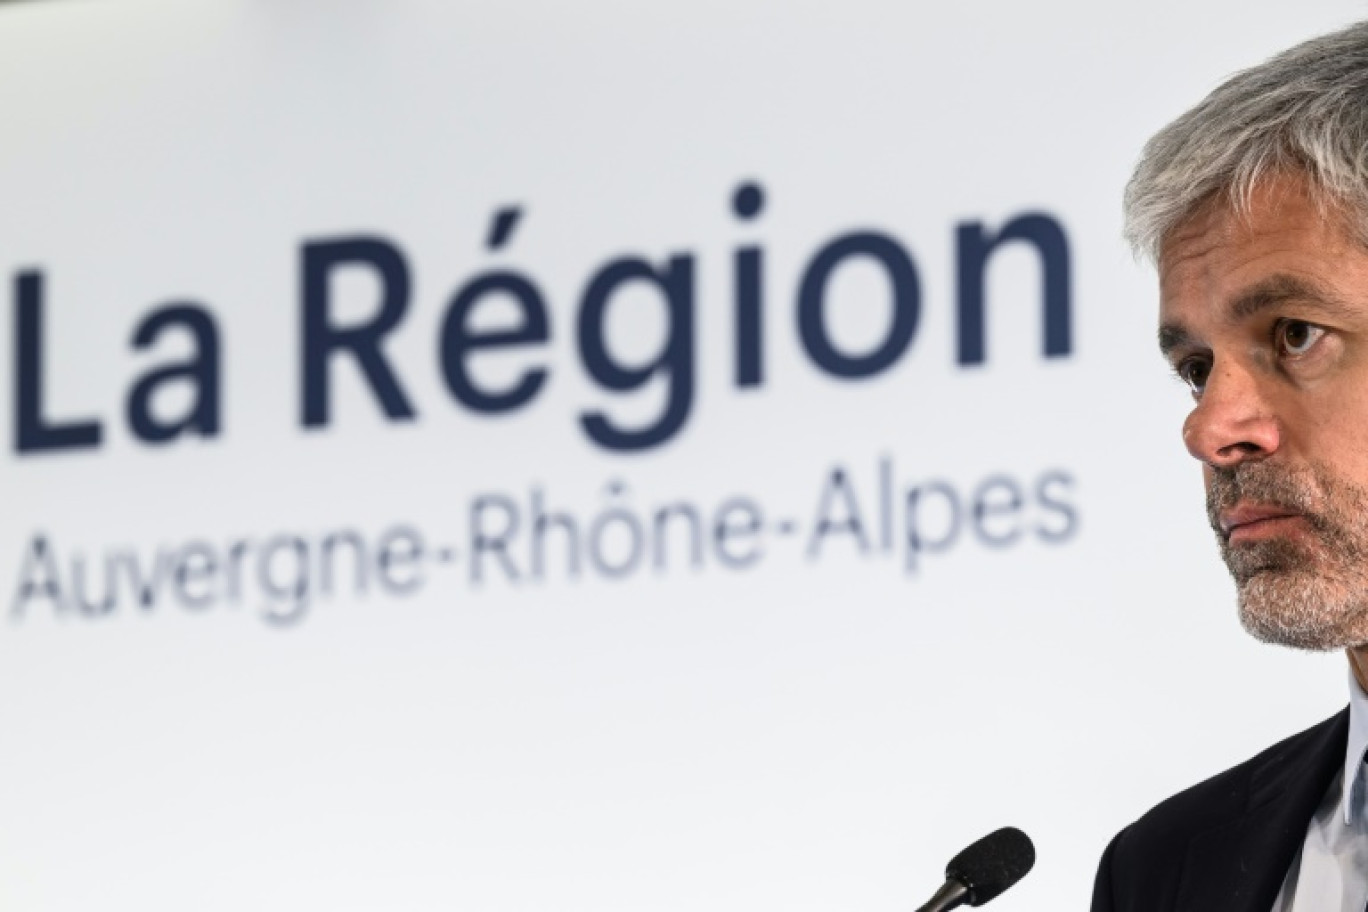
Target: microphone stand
column 951, row 894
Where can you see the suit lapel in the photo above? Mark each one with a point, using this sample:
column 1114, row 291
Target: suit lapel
column 1239, row 866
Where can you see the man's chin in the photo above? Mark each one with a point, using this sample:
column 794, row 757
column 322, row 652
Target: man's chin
column 1301, row 610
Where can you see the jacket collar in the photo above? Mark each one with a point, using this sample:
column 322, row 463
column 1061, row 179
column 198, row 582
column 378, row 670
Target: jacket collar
column 1352, row 801
column 1239, row 865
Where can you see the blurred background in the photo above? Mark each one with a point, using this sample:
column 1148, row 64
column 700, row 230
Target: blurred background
column 598, row 456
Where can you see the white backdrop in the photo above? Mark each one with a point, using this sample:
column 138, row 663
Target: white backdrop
column 274, row 666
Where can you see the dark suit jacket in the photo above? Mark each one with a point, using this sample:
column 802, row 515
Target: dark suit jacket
column 1224, row 845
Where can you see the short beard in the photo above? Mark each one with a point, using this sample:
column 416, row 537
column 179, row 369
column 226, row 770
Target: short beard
column 1308, row 594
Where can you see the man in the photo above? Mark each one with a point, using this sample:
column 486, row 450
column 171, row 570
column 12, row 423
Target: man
column 1255, row 206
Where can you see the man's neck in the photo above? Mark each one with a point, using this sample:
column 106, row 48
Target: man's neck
column 1358, row 664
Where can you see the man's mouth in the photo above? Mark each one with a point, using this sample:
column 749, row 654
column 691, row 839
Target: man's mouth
column 1256, row 522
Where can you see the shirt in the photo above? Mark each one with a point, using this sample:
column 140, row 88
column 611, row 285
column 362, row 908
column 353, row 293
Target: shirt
column 1330, row 873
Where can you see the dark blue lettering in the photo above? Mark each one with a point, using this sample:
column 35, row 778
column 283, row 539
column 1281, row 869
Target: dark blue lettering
column 32, row 432
column 674, row 362
column 974, row 247
column 747, row 202
column 321, row 338
column 906, row 292
column 202, row 371
column 459, row 341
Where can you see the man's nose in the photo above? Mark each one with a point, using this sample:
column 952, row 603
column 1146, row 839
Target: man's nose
column 1233, row 421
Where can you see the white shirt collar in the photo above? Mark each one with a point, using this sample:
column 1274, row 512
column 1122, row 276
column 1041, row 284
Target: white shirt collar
column 1353, row 754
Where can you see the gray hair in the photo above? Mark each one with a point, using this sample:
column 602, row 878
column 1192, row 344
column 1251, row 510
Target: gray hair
column 1305, row 110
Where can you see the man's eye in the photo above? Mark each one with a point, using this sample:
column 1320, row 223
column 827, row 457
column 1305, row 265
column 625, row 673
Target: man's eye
column 1194, row 372
column 1296, row 337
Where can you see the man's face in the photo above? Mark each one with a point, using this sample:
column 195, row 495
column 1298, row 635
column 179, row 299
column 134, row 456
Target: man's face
column 1265, row 316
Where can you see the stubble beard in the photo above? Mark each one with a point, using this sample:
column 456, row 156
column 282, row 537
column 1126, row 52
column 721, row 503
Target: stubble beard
column 1305, row 591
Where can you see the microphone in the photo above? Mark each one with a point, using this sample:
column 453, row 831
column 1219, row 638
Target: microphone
column 983, row 870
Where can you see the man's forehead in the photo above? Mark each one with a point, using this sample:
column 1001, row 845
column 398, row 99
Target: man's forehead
column 1226, row 264
column 1211, row 221
column 1224, row 247
column 1273, row 211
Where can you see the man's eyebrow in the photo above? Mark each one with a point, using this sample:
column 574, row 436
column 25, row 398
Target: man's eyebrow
column 1271, row 292
column 1172, row 336
column 1280, row 289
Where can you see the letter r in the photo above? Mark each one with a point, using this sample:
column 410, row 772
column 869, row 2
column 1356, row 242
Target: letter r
column 322, row 338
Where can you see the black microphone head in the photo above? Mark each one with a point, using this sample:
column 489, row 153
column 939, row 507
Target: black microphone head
column 992, row 864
